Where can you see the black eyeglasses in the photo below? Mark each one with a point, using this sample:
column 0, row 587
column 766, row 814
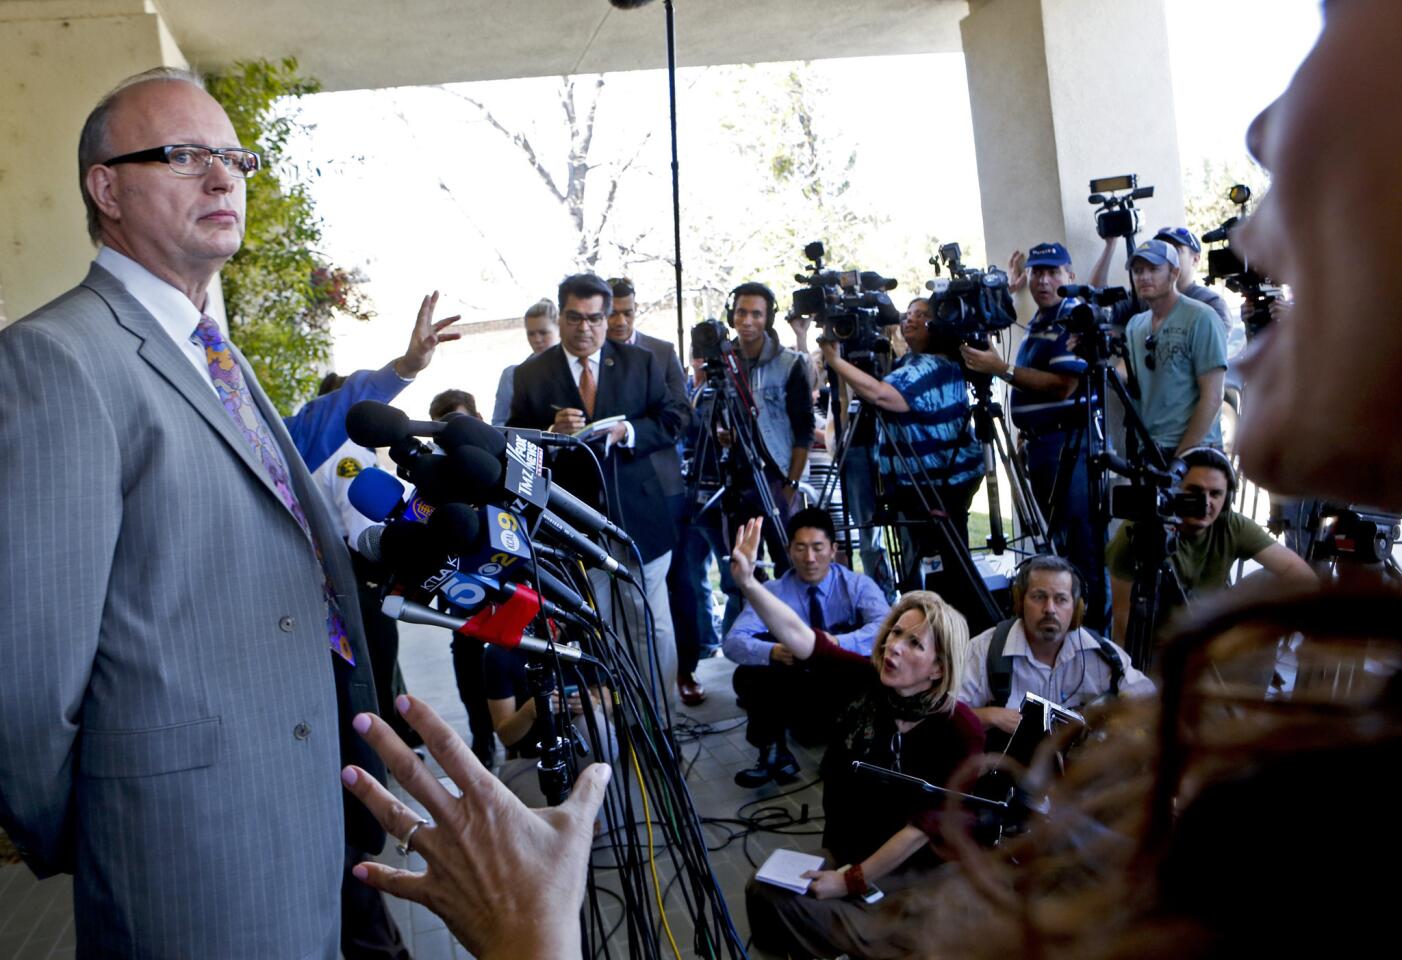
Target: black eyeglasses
column 195, row 159
column 573, row 318
column 1151, row 342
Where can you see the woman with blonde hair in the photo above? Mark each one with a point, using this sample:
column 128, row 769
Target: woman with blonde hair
column 906, row 719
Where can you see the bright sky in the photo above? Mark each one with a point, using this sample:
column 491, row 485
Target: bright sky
column 420, row 192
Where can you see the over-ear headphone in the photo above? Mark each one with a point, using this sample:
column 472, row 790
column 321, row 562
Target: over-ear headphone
column 1215, row 459
column 1022, row 574
column 752, row 289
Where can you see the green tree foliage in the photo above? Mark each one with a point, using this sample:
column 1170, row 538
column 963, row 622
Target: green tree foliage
column 1205, row 202
column 279, row 294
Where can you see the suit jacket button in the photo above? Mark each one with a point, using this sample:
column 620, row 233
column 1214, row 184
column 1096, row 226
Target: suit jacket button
column 286, row 624
column 301, row 731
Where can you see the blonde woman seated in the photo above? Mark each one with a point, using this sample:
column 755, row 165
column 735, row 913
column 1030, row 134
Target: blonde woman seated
column 906, row 718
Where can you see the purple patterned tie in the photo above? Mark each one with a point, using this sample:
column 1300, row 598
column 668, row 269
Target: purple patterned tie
column 238, row 403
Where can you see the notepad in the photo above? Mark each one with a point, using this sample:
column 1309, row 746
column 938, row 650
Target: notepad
column 600, row 424
column 785, row 868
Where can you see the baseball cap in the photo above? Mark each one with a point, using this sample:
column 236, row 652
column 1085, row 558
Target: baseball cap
column 1048, row 255
column 1181, row 236
column 1155, row 252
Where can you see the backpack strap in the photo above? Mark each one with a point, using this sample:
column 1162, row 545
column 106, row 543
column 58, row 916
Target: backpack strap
column 1000, row 667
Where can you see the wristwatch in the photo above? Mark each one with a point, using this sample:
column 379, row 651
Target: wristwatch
column 1008, row 373
column 790, row 484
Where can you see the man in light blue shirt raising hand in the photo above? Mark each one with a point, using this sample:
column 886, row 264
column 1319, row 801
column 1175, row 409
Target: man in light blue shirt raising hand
column 780, row 693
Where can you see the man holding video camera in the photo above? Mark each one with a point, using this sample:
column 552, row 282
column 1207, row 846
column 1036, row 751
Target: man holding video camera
column 1207, row 546
column 1176, row 356
column 1048, row 371
column 927, row 433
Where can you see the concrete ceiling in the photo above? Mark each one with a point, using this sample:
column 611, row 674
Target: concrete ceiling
column 358, row 44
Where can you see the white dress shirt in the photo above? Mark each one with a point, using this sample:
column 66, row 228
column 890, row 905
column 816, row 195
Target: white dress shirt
column 1079, row 676
column 596, row 367
column 173, row 310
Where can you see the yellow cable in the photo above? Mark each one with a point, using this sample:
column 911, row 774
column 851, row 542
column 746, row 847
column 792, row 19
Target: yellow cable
column 651, row 856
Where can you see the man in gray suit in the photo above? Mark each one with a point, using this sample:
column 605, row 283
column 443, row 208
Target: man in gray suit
column 179, row 635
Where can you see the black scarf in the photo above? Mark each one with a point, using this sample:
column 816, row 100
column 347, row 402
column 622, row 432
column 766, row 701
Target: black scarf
column 884, row 705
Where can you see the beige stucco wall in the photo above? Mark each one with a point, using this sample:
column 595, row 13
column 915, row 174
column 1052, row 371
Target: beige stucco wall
column 57, row 58
column 1064, row 91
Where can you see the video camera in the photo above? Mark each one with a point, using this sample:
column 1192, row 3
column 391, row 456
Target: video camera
column 850, row 306
column 710, row 341
column 972, row 303
column 1224, row 264
column 1117, row 216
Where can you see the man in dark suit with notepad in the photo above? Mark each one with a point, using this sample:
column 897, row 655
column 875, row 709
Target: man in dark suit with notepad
column 586, row 379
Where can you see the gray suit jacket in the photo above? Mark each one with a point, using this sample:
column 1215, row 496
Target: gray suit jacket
column 172, row 722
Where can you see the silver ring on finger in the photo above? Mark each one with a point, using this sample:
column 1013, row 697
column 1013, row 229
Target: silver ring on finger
column 403, row 847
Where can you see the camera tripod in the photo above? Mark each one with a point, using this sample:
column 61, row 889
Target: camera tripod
column 1153, row 539
column 725, row 403
column 991, row 429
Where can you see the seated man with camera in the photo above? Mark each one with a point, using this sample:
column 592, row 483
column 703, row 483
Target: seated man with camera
column 1047, row 371
column 926, row 433
column 1208, row 545
column 1044, row 649
column 779, row 691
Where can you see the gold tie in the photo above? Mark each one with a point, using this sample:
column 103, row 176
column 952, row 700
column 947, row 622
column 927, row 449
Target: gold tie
column 587, row 388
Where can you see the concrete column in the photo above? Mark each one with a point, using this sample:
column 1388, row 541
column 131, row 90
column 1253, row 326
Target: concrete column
column 57, row 59
column 1064, row 91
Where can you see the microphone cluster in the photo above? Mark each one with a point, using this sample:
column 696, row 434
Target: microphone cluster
column 465, row 531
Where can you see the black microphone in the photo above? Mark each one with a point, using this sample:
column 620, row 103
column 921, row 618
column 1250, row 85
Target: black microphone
column 482, row 476
column 629, row 4
column 371, row 423
column 458, row 530
column 397, row 608
column 521, row 477
column 1222, row 232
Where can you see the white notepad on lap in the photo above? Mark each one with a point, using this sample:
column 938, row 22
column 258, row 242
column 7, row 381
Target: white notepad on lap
column 785, row 868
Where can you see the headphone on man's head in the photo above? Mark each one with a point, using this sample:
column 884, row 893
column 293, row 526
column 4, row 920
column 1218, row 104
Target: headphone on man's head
column 1215, row 459
column 1049, row 563
column 752, row 289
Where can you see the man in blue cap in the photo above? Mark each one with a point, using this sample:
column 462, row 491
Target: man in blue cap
column 1177, row 355
column 1047, row 372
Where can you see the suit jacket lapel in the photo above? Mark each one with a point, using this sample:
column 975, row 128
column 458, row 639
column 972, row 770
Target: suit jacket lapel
column 171, row 364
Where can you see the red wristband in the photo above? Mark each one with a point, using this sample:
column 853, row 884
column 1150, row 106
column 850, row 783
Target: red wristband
column 856, row 880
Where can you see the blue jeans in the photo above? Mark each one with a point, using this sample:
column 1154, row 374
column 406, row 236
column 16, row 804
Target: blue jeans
column 1075, row 536
column 859, row 494
column 702, row 543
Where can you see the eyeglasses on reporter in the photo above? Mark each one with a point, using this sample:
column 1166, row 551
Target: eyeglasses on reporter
column 196, row 159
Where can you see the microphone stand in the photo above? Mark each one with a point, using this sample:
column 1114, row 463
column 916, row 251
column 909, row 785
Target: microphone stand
column 676, row 171
column 554, row 768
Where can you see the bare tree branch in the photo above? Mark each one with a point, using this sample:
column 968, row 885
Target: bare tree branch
column 519, row 139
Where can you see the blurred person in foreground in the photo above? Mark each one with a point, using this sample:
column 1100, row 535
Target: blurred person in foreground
column 1332, row 211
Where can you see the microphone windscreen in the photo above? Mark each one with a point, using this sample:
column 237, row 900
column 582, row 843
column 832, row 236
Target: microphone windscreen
column 408, row 548
column 368, row 546
column 375, row 493
column 456, row 528
column 374, row 424
column 477, row 472
column 472, row 432
column 436, row 480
